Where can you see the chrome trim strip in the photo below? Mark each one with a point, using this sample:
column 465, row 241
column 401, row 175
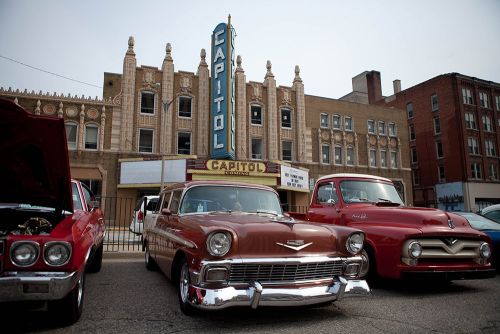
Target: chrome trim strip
column 283, row 260
column 173, row 237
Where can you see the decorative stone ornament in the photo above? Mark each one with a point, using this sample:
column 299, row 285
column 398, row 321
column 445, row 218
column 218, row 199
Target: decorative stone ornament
column 92, row 113
column 71, row 111
column 49, row 109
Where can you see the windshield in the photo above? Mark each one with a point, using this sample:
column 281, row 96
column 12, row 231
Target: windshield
column 369, row 191
column 479, row 222
column 227, row 198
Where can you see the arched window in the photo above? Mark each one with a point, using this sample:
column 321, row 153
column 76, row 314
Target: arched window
column 91, row 136
column 72, row 135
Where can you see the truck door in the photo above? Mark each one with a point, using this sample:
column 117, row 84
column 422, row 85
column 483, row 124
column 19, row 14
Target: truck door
column 325, row 204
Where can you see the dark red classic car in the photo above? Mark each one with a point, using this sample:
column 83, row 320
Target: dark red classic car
column 401, row 242
column 229, row 244
column 51, row 229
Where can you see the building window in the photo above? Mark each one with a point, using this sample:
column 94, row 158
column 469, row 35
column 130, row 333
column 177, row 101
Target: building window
column 394, row 159
column 286, row 118
column 411, row 130
column 381, row 127
column 184, row 143
column 338, row 155
column 373, row 158
column 434, row 102
column 91, row 136
column 467, row 96
column 350, row 160
column 490, row 148
column 497, row 102
column 324, row 121
column 336, row 121
column 383, row 159
column 439, row 150
column 72, row 135
column 371, row 126
column 391, row 127
column 409, row 110
column 437, row 125
column 473, row 146
column 413, row 155
column 256, row 117
column 256, row 148
column 147, row 103
column 483, row 100
column 325, row 154
column 476, row 170
column 487, row 123
column 185, row 106
column 493, row 172
column 416, row 177
column 470, row 120
column 145, row 140
column 286, row 150
column 348, row 123
column 441, row 174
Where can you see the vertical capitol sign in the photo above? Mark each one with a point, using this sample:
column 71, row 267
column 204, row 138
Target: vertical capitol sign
column 222, row 120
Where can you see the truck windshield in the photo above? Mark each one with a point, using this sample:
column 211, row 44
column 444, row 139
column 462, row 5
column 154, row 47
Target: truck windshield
column 226, row 198
column 369, row 191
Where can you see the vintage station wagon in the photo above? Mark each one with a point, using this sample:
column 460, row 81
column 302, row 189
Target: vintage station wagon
column 229, row 244
column 51, row 228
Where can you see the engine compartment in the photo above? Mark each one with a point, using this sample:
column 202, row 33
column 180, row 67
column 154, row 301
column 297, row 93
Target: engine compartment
column 27, row 222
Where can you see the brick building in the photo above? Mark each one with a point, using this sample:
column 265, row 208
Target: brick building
column 454, row 126
column 148, row 113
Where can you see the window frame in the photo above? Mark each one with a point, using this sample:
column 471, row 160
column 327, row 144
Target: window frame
column 327, row 126
column 383, row 158
column 190, row 142
column 384, row 132
column 368, row 122
column 439, row 144
column 76, row 125
column 441, row 178
column 185, row 97
column 283, row 125
column 261, row 149
column 351, row 124
column 141, row 108
column 409, row 110
column 339, row 126
column 283, row 150
column 394, row 131
column 350, row 162
column 395, row 164
column 139, row 140
column 413, row 155
column 327, row 146
column 252, row 116
column 476, row 172
column 467, row 97
column 473, row 146
column 340, row 160
column 91, row 125
column 437, row 128
column 483, row 100
column 434, row 102
column 374, row 160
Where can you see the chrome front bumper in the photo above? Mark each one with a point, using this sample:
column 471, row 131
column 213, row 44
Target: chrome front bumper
column 256, row 295
column 24, row 286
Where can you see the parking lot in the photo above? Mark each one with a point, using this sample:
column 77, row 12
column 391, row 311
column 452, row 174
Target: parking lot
column 126, row 298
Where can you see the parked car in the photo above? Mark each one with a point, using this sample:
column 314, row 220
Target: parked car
column 401, row 241
column 145, row 205
column 488, row 226
column 51, row 227
column 492, row 212
column 229, row 244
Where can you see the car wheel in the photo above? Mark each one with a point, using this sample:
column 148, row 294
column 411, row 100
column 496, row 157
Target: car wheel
column 183, row 291
column 150, row 263
column 96, row 262
column 69, row 309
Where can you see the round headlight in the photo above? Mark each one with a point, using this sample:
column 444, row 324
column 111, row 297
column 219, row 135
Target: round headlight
column 24, row 254
column 484, row 250
column 414, row 249
column 355, row 243
column 57, row 253
column 219, row 243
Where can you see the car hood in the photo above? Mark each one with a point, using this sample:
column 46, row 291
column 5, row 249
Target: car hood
column 426, row 220
column 34, row 166
column 266, row 235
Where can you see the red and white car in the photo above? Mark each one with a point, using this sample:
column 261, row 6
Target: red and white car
column 51, row 227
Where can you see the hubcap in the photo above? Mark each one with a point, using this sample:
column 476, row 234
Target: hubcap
column 80, row 291
column 184, row 283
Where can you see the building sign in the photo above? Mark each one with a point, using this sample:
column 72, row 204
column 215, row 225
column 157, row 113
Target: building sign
column 450, row 196
column 137, row 173
column 238, row 168
column 222, row 120
column 294, row 179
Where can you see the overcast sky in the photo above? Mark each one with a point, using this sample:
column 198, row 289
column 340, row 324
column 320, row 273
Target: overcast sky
column 331, row 41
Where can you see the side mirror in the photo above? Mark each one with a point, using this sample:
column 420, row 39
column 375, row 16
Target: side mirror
column 331, row 202
column 94, row 205
column 166, row 212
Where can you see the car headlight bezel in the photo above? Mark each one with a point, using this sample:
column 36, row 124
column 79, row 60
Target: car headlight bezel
column 485, row 248
column 414, row 249
column 50, row 246
column 219, row 243
column 354, row 243
column 32, row 246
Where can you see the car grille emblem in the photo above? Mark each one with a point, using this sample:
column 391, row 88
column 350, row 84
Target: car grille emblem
column 451, row 224
column 450, row 241
column 296, row 245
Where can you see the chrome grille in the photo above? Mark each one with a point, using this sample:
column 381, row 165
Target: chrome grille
column 447, row 248
column 284, row 272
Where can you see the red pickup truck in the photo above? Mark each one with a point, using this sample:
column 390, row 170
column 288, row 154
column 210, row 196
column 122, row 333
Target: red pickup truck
column 401, row 241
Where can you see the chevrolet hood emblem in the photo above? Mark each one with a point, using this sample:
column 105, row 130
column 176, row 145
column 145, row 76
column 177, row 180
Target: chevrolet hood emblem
column 296, row 245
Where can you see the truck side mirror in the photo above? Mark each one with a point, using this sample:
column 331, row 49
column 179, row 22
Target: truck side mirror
column 166, row 212
column 331, row 202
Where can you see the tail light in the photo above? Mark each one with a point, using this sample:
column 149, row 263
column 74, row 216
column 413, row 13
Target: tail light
column 140, row 216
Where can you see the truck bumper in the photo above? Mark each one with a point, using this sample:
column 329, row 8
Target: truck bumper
column 256, row 295
column 450, row 275
column 24, row 286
